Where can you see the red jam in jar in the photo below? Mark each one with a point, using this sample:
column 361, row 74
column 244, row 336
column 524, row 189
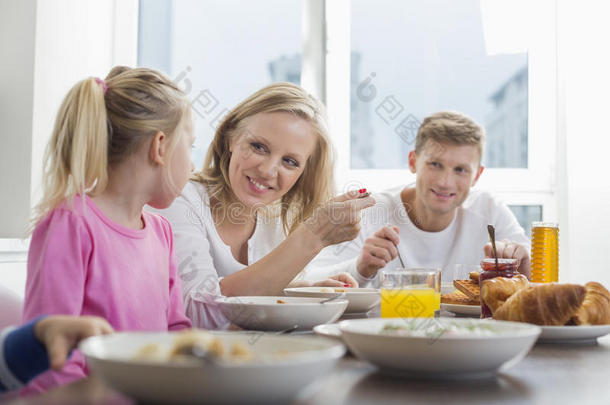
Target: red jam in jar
column 506, row 268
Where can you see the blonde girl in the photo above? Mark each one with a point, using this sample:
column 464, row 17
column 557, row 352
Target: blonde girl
column 259, row 210
column 118, row 144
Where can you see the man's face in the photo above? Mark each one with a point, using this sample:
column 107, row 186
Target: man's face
column 445, row 174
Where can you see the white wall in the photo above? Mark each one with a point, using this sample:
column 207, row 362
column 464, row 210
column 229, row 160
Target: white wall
column 17, row 36
column 46, row 47
column 585, row 69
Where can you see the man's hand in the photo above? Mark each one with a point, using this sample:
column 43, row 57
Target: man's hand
column 511, row 250
column 378, row 251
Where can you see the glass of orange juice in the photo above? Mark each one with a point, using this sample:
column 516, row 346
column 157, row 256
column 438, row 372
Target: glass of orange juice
column 410, row 293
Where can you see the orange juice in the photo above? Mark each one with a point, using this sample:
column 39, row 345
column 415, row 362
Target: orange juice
column 545, row 252
column 409, row 302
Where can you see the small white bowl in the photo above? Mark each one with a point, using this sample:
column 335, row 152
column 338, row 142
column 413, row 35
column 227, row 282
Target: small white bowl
column 288, row 364
column 439, row 355
column 360, row 299
column 267, row 313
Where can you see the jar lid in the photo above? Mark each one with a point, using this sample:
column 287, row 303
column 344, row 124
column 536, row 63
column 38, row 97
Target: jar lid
column 500, row 261
column 540, row 224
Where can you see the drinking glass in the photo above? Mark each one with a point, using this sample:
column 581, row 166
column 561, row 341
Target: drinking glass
column 410, row 293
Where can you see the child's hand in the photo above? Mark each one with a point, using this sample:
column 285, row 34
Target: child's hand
column 338, row 280
column 60, row 334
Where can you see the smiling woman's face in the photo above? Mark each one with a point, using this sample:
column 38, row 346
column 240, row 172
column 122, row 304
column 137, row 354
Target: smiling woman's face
column 269, row 156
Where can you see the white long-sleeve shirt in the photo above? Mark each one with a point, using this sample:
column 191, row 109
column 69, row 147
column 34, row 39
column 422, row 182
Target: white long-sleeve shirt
column 460, row 243
column 203, row 257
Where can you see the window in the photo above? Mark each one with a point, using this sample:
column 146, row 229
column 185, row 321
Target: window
column 220, row 51
column 410, row 58
column 526, row 214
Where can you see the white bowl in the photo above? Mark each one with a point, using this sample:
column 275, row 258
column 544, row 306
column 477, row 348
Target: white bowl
column 265, row 313
column 438, row 355
column 273, row 378
column 360, row 299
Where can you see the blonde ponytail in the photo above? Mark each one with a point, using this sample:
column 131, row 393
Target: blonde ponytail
column 99, row 125
column 76, row 157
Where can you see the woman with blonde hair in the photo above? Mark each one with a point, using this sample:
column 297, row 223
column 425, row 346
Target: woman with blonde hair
column 260, row 209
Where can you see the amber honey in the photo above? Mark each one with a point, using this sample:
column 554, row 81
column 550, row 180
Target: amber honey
column 545, row 252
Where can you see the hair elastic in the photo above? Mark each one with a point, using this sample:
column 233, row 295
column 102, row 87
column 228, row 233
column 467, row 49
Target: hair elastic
column 101, row 82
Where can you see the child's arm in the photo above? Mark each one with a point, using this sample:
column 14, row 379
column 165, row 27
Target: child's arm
column 58, row 261
column 22, row 356
column 22, row 350
column 60, row 334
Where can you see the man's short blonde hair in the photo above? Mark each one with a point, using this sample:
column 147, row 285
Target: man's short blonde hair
column 450, row 128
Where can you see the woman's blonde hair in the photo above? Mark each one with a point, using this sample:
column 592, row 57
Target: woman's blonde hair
column 314, row 186
column 100, row 124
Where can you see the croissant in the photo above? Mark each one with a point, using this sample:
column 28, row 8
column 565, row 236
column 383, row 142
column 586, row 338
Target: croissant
column 495, row 291
column 595, row 309
column 547, row 304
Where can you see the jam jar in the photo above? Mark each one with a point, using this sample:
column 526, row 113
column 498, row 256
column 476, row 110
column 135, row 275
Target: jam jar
column 506, row 268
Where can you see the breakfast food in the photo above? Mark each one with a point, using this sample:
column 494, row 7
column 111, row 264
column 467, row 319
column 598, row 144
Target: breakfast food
column 470, row 288
column 435, row 329
column 546, row 304
column 496, row 291
column 189, row 343
column 549, row 304
column 595, row 309
column 458, row 298
column 467, row 291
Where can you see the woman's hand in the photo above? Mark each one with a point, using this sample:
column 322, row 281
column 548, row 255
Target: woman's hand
column 338, row 280
column 339, row 219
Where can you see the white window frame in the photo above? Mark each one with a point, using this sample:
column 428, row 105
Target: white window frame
column 535, row 185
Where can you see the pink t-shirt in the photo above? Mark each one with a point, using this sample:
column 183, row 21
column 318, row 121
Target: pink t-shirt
column 82, row 263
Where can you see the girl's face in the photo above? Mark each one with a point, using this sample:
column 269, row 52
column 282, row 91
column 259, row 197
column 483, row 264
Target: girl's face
column 269, row 156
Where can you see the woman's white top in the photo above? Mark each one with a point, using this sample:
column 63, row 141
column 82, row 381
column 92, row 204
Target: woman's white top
column 203, row 257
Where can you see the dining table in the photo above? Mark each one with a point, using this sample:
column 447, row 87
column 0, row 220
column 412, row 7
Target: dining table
column 551, row 373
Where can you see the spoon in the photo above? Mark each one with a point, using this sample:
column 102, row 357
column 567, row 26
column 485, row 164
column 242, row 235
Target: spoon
column 202, row 354
column 340, row 295
column 287, row 330
column 402, row 264
column 492, row 237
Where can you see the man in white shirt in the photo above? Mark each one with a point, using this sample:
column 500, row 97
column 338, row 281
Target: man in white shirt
column 436, row 222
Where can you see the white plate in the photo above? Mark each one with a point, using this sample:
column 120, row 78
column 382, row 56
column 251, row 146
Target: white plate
column 574, row 334
column 471, row 310
column 273, row 378
column 439, row 355
column 330, row 330
column 360, row 299
column 265, row 313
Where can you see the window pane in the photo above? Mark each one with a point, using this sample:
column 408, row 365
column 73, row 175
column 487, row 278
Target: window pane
column 526, row 214
column 220, row 51
column 412, row 58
